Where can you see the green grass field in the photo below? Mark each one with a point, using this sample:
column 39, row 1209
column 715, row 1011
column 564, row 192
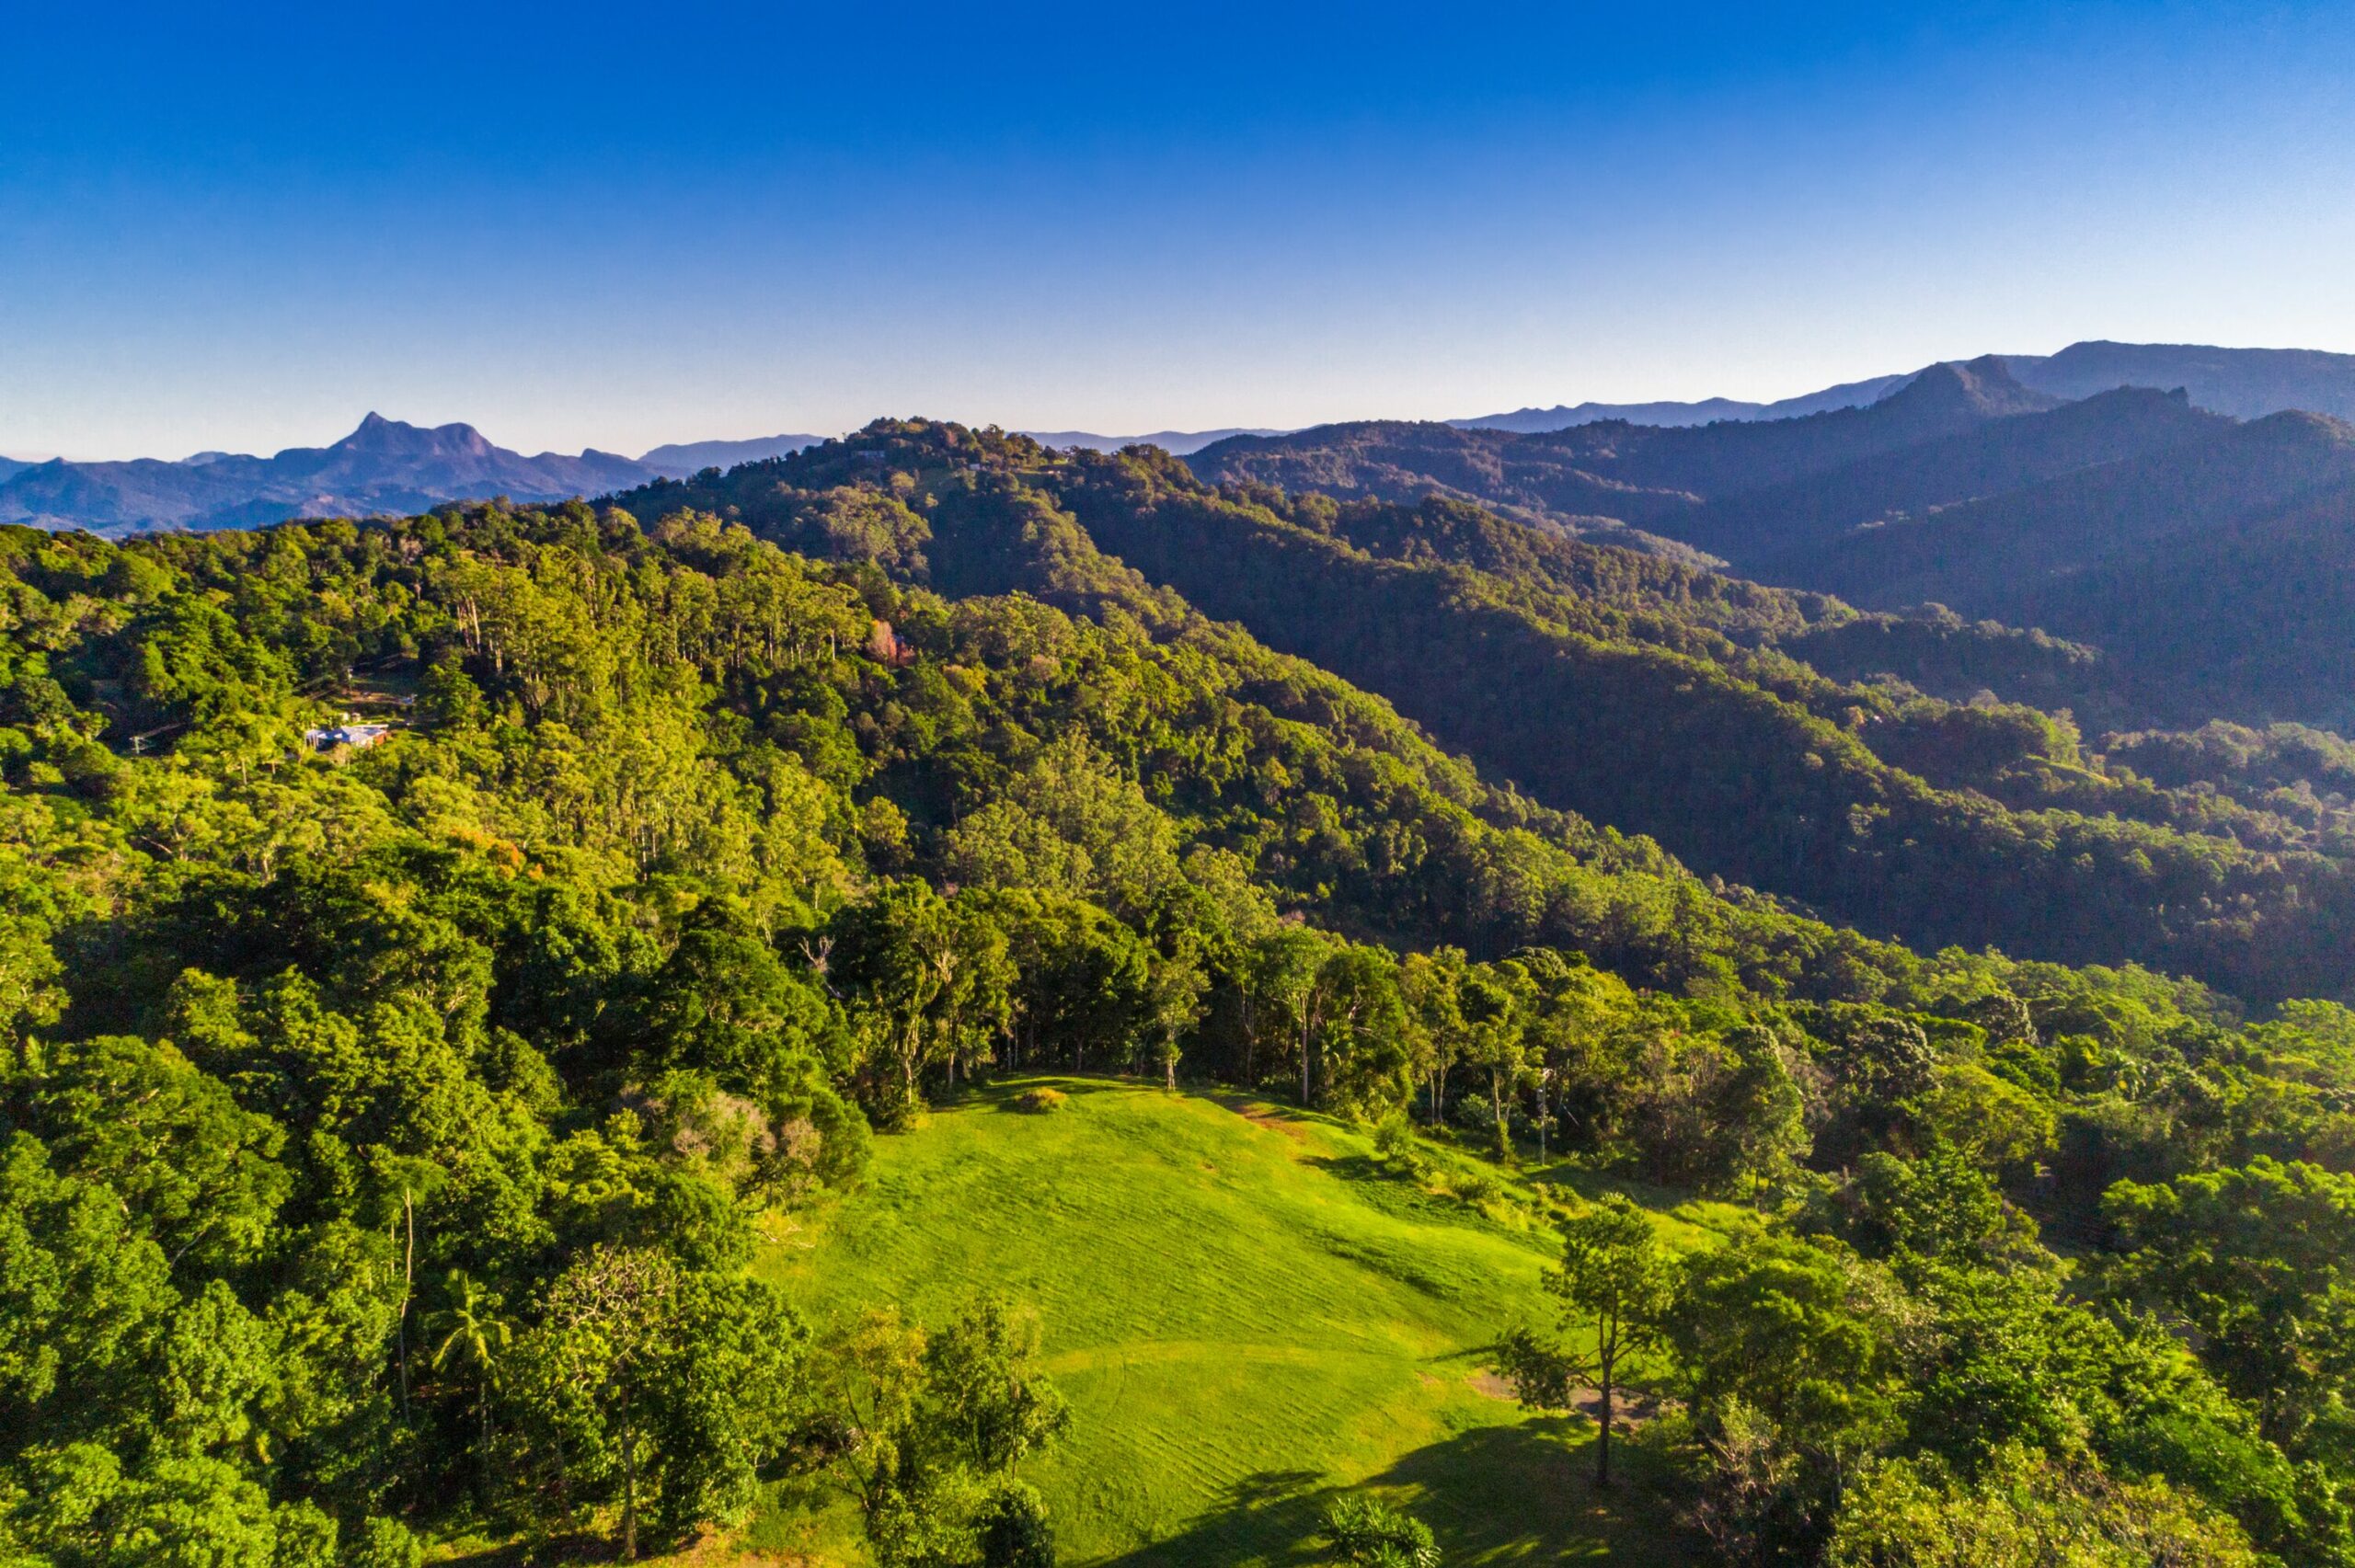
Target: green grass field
column 1246, row 1313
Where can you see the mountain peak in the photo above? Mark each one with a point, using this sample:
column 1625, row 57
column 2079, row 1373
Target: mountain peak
column 378, row 435
column 1982, row 388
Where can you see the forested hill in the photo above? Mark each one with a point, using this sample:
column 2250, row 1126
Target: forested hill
column 1644, row 695
column 1653, row 476
column 390, row 1117
column 2131, row 520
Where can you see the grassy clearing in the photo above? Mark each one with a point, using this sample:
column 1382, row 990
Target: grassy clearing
column 1248, row 1314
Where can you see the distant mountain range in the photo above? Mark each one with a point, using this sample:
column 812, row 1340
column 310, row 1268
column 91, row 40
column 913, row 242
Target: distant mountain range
column 384, row 466
column 2246, row 382
column 1691, row 487
column 1177, row 443
column 1708, row 411
column 680, row 459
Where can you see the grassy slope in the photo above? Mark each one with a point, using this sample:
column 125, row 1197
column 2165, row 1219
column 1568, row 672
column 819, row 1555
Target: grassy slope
column 1245, row 1314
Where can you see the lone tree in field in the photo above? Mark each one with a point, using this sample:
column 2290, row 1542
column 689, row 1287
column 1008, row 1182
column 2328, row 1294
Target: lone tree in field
column 1615, row 1285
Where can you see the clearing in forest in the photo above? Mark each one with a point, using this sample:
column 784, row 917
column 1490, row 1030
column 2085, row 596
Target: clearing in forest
column 1247, row 1312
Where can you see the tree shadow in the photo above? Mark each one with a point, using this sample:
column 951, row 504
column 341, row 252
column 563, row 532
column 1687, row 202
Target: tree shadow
column 1000, row 1093
column 1521, row 1496
column 579, row 1546
column 1363, row 1168
column 1270, row 1517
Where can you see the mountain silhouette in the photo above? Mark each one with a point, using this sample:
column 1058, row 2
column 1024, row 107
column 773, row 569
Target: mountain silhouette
column 2246, row 383
column 385, row 465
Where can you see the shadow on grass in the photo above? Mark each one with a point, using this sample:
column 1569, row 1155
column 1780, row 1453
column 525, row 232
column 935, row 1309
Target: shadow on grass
column 1495, row 1495
column 1269, row 1517
column 580, row 1547
column 999, row 1094
column 1362, row 1167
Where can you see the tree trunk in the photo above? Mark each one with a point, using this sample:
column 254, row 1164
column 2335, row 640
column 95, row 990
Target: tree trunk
column 629, row 1496
column 1603, row 1444
column 408, row 1288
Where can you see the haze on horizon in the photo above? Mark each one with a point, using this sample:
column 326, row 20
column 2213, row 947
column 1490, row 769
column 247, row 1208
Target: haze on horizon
column 577, row 227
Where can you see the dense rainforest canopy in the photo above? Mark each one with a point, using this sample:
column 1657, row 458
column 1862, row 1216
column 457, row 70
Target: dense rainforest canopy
column 387, row 1125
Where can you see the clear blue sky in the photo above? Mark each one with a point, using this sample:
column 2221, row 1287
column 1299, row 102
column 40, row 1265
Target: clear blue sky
column 593, row 226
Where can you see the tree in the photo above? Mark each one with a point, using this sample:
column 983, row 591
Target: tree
column 199, row 1172
column 597, row 1359
column 1429, row 983
column 1361, row 1029
column 2260, row 1262
column 928, row 1429
column 1172, row 1006
column 1280, row 992
column 1614, row 1286
column 1494, row 1003
column 724, row 1003
column 935, row 976
column 1789, row 1356
column 669, row 1386
column 472, row 1334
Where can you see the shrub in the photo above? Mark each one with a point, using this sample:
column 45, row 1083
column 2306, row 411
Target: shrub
column 1478, row 1188
column 1038, row 1101
column 1365, row 1530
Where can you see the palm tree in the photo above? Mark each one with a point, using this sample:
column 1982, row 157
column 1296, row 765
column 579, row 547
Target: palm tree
column 473, row 1332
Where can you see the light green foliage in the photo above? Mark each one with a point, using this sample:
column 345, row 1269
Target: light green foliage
column 1801, row 1332
column 1365, row 1530
column 928, row 1429
column 198, row 1172
column 2256, row 1262
column 2028, row 1512
column 1220, row 1299
column 661, row 1390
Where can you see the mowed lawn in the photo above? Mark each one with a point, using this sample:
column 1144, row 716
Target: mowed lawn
column 1246, row 1315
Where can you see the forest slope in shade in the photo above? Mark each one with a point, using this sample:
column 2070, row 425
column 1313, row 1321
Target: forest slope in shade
column 403, row 1134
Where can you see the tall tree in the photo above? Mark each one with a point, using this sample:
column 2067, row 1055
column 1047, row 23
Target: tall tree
column 1614, row 1288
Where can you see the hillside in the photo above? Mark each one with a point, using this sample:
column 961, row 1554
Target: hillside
column 1702, row 411
column 1179, row 441
column 2248, row 617
column 1248, row 1310
column 550, row 1124
column 1648, row 698
column 1985, row 556
column 1963, row 490
column 383, row 466
column 688, row 457
column 1759, row 530
column 1648, row 476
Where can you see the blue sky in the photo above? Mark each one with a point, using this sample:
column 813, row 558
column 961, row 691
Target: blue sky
column 618, row 226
